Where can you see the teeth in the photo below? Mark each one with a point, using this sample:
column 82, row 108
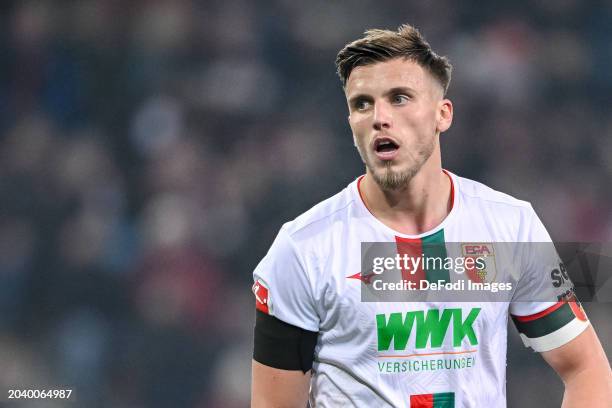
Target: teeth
column 384, row 144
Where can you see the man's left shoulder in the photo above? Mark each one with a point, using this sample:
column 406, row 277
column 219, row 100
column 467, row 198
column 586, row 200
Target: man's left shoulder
column 510, row 217
column 472, row 190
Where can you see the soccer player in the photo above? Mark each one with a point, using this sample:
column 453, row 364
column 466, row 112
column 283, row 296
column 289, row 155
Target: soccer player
column 316, row 340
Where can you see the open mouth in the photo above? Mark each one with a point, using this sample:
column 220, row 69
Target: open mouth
column 385, row 148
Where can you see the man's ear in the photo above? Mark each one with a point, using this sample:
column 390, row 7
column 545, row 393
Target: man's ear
column 445, row 115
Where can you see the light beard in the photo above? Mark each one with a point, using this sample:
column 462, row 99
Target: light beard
column 390, row 180
column 393, row 180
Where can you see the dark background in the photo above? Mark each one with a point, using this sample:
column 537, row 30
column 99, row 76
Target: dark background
column 151, row 150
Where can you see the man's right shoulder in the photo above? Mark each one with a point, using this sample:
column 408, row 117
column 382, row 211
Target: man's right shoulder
column 322, row 217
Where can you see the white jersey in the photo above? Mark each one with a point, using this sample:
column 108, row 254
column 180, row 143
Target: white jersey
column 386, row 353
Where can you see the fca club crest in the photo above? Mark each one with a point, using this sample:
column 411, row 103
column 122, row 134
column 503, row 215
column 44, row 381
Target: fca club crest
column 486, row 253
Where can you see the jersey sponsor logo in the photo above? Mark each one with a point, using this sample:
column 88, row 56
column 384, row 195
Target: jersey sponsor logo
column 419, row 364
column 559, row 275
column 430, row 328
column 261, row 296
column 485, row 253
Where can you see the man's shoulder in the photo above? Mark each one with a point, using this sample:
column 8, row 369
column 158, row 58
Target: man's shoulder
column 475, row 191
column 507, row 217
column 322, row 215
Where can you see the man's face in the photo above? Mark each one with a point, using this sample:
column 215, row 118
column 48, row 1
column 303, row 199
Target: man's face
column 397, row 112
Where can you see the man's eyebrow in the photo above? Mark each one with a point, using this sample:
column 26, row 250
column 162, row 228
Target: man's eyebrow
column 358, row 97
column 400, row 89
column 392, row 91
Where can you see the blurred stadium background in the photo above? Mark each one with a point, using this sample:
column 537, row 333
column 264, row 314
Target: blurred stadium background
column 150, row 151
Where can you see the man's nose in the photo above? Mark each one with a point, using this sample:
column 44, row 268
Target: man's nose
column 382, row 116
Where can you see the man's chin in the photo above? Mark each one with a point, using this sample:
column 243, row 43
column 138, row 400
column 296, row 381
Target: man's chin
column 391, row 180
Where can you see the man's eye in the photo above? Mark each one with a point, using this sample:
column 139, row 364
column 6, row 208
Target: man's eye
column 400, row 99
column 362, row 105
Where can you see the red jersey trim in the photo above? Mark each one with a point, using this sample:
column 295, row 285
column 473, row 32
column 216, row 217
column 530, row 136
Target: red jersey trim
column 452, row 195
column 452, row 192
column 541, row 314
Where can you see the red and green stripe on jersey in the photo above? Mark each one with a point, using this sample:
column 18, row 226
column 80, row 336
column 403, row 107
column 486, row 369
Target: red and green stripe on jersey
column 431, row 246
column 437, row 400
column 549, row 320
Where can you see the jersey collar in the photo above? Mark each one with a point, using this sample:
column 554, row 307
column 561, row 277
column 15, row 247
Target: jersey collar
column 363, row 209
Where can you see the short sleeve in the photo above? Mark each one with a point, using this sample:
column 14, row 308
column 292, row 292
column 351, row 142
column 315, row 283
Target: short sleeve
column 282, row 286
column 544, row 307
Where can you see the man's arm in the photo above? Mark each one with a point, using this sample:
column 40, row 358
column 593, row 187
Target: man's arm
column 286, row 326
column 585, row 371
column 282, row 361
column 276, row 388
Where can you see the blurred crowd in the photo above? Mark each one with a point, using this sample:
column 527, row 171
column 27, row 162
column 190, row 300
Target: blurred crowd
column 151, row 150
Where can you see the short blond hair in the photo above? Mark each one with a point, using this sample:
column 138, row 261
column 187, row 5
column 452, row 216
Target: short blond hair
column 383, row 45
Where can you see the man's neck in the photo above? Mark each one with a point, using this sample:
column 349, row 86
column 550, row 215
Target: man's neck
column 419, row 207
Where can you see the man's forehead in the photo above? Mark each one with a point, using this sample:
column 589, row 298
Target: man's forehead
column 397, row 72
